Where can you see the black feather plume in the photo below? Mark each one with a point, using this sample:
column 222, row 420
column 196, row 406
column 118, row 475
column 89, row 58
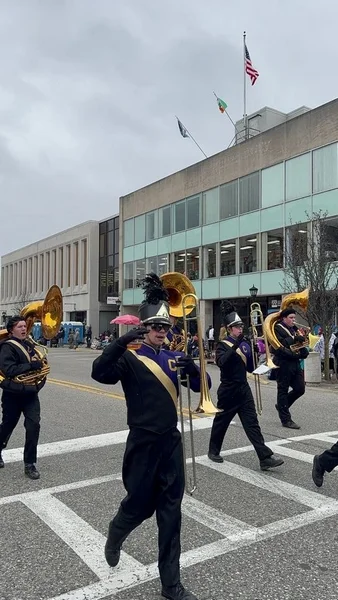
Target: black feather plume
column 154, row 290
column 226, row 308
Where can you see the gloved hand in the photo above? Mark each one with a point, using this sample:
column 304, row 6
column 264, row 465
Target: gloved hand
column 299, row 338
column 187, row 363
column 131, row 336
column 36, row 365
column 238, row 341
column 303, row 353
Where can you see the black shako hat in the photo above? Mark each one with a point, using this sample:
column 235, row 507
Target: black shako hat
column 229, row 315
column 286, row 312
column 155, row 306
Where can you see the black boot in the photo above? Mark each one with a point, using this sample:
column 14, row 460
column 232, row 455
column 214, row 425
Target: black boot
column 112, row 551
column 2, row 464
column 317, row 471
column 177, row 592
column 32, row 472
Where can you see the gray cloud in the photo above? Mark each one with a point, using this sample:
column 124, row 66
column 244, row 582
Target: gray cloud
column 89, row 90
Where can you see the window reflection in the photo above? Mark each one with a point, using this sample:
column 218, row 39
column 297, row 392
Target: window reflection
column 248, row 254
column 296, row 248
column 128, row 276
column 163, row 264
column 210, row 261
column 275, row 249
column 140, row 270
column 228, row 258
column 179, row 262
column 193, row 264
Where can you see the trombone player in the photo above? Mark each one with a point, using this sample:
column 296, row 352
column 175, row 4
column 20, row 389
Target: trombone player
column 153, row 466
column 18, row 358
column 234, row 358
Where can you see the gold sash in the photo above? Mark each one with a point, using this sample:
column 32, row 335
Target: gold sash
column 159, row 374
column 238, row 351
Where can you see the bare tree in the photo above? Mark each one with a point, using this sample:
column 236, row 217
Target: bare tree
column 20, row 303
column 311, row 262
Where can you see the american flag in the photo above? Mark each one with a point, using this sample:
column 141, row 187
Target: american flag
column 249, row 69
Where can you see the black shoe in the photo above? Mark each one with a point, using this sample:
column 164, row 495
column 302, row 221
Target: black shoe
column 270, row 463
column 291, row 425
column 2, row 464
column 177, row 592
column 215, row 457
column 317, row 471
column 112, row 554
column 32, row 472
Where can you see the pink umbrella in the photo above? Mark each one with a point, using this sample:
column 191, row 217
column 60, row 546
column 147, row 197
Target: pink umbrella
column 126, row 320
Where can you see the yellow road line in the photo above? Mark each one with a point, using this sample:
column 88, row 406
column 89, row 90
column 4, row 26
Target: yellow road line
column 95, row 390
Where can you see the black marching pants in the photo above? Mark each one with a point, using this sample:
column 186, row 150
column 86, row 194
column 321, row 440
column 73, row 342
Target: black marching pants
column 246, row 410
column 329, row 458
column 12, row 407
column 153, row 475
column 288, row 375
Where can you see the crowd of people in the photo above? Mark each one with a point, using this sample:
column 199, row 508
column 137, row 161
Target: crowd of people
column 153, row 465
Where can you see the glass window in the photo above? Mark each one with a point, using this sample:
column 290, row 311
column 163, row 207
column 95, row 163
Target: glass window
column 275, row 240
column 298, row 177
column 249, row 193
column 140, row 266
column 116, row 241
column 103, row 227
column 103, row 251
column 163, row 266
column 210, row 261
column 273, row 185
column 140, row 229
column 248, row 254
column 179, row 262
column 152, row 264
column 151, row 226
column 193, row 264
column 128, row 283
column 110, row 224
column 228, row 200
column 165, row 221
column 325, row 169
column 128, row 233
column 331, row 239
column 210, row 200
column 116, row 282
column 296, row 245
column 116, row 222
column 110, row 242
column 193, row 212
column 179, row 209
column 228, row 258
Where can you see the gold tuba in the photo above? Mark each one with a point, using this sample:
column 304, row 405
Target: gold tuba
column 49, row 313
column 177, row 286
column 300, row 299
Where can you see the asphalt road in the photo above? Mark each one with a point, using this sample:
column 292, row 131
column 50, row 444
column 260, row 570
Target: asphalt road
column 246, row 534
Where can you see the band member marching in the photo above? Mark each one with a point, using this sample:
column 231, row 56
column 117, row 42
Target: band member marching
column 175, row 338
column 21, row 379
column 290, row 373
column 234, row 358
column 153, row 468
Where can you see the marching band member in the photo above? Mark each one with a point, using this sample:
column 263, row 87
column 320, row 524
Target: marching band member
column 290, row 372
column 153, row 467
column 18, row 358
column 234, row 358
column 175, row 338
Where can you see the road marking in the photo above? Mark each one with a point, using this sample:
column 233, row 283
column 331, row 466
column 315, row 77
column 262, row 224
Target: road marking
column 83, row 539
column 85, row 388
column 270, row 484
column 212, row 518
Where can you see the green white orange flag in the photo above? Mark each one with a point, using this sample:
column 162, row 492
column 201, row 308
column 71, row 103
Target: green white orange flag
column 221, row 104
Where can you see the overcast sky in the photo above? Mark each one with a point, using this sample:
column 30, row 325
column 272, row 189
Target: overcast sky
column 89, row 90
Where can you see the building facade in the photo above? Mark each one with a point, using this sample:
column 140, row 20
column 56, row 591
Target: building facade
column 228, row 221
column 69, row 259
column 109, row 257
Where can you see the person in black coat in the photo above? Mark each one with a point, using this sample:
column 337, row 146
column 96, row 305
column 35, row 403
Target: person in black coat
column 289, row 374
column 153, row 467
column 18, row 357
column 234, row 358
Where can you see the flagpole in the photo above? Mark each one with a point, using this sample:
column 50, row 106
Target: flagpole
column 245, row 117
column 227, row 114
column 193, row 139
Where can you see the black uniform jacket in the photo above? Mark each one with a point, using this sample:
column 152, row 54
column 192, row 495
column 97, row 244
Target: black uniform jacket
column 15, row 359
column 149, row 381
column 287, row 336
column 234, row 361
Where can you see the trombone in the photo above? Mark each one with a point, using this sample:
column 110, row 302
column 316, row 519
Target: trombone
column 257, row 320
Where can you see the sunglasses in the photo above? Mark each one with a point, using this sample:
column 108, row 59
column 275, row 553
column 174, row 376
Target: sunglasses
column 159, row 327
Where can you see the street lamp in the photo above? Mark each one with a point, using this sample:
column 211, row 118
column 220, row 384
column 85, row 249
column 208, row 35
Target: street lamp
column 253, row 292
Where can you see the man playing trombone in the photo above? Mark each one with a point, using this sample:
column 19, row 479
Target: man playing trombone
column 153, row 466
column 234, row 358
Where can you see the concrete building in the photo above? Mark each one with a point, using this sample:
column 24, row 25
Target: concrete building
column 69, row 259
column 227, row 220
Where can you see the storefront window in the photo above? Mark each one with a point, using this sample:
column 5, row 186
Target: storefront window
column 248, row 254
column 210, row 261
column 228, row 257
column 274, row 242
column 193, row 264
column 128, row 276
